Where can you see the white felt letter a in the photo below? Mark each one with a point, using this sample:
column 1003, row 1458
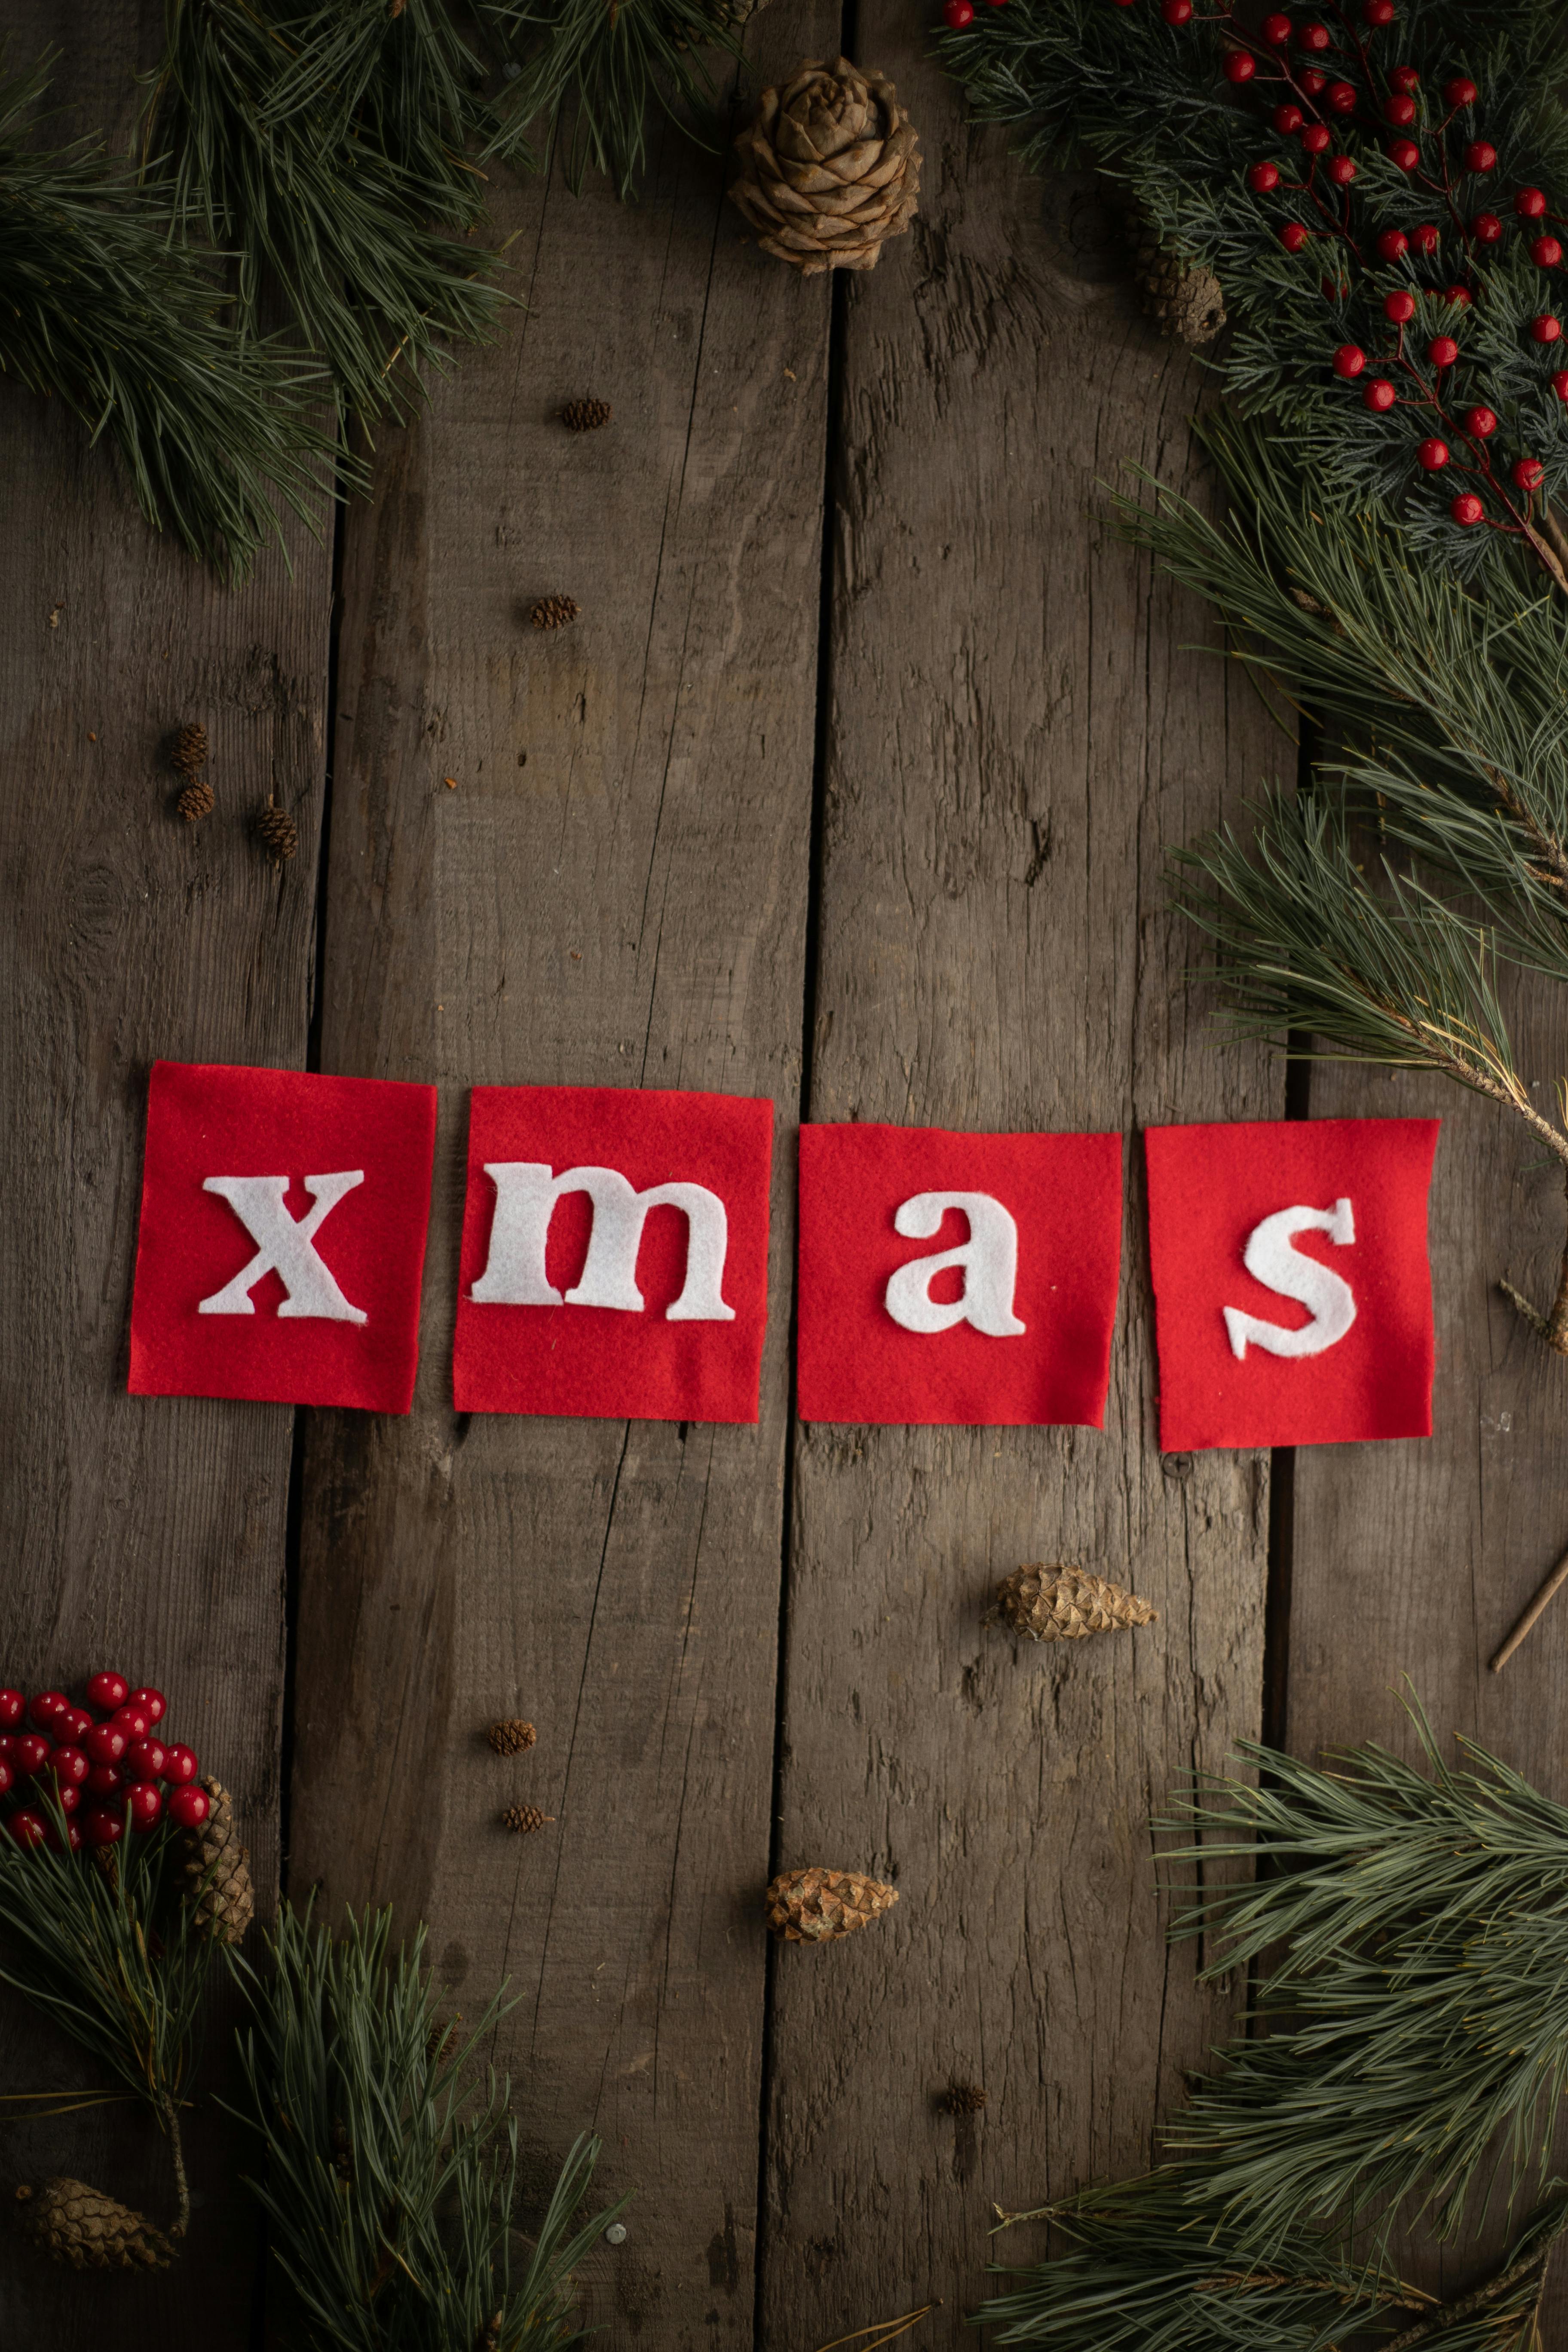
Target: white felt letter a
column 988, row 1259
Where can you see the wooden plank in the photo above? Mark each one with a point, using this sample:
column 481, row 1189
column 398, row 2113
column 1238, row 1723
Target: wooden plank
column 612, row 891
column 146, row 1533
column 1413, row 1559
column 1017, row 735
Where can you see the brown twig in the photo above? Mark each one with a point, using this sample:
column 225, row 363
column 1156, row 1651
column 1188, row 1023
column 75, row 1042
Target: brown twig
column 1449, row 2315
column 169, row 2112
column 883, row 2331
column 1547, row 1593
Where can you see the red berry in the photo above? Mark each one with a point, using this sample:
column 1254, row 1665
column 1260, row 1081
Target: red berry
column 101, row 1827
column 32, row 1752
column 68, row 1797
column 1442, row 350
column 1546, row 329
column 1392, row 245
column 1459, row 92
column 1349, row 360
column 134, row 1721
column 1559, row 384
column 106, row 1743
column 1313, row 37
column 69, row 1767
column 9, row 1745
column 188, row 1808
column 1239, row 66
column 956, row 14
column 1312, row 80
column 1404, row 154
column 146, row 1804
column 28, row 1829
column 1481, row 423
column 1529, row 204
column 72, row 1838
column 1276, row 31
column 107, row 1691
column 1399, row 111
column 70, row 1725
column 104, row 1780
column 1480, row 155
column 1339, row 96
column 1529, row 472
column 1433, row 454
column 1293, row 236
column 6, row 1776
column 154, row 1701
column 180, row 1765
column 1287, row 121
column 43, row 1709
column 1377, row 13
column 1340, row 170
column 1406, row 79
column 1486, row 228
column 1424, row 239
column 1261, row 177
column 1175, row 12
column 13, row 1706
column 1379, row 395
column 144, row 1760
column 1317, row 138
column 1460, row 294
column 1546, row 252
column 1399, row 306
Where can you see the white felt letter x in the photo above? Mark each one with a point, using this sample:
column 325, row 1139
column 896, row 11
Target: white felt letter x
column 286, row 1245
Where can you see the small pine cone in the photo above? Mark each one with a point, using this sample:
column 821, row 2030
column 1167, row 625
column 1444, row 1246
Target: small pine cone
column 963, row 2099
column 813, row 1906
column 586, row 416
column 554, row 611
column 489, row 2335
column 1050, row 1602
column 217, row 1872
column 277, row 832
column 188, row 751
column 508, row 1738
column 197, row 799
column 441, row 2040
column 73, row 2223
column 525, row 1818
column 1184, row 297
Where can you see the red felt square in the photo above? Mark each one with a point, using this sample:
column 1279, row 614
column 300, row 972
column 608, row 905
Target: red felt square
column 282, row 1237
column 1333, row 1320
column 1015, row 1327
column 577, row 1297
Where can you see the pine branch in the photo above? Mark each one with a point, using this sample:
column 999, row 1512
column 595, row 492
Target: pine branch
column 102, row 309
column 391, row 2172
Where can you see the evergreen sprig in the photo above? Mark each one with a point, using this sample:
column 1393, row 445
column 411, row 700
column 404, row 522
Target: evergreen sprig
column 391, row 2160
column 103, row 308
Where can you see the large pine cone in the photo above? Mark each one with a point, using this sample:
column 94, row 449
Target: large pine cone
column 813, row 1906
column 1185, row 299
column 217, row 1872
column 1048, row 1602
column 75, row 2224
column 830, row 169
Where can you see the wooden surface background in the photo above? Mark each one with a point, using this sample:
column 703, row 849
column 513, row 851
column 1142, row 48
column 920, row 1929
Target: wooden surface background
column 852, row 786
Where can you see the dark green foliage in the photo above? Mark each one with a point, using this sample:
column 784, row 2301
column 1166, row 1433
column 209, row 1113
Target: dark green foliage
column 102, row 309
column 391, row 2172
column 1149, row 102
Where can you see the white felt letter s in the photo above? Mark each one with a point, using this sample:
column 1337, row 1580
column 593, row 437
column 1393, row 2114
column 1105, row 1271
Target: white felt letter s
column 988, row 1259
column 1271, row 1258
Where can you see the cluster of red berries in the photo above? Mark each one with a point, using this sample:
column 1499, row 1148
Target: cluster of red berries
column 103, row 1765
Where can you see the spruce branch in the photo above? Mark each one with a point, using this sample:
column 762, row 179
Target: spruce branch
column 391, row 2160
column 101, row 307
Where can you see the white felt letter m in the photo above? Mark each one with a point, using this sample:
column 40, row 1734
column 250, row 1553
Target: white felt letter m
column 526, row 1195
column 286, row 1245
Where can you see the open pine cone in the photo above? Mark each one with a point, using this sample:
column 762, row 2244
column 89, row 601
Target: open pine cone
column 830, row 169
column 1049, row 1602
column 73, row 2223
column 1182, row 296
column 816, row 1907
column 217, row 1872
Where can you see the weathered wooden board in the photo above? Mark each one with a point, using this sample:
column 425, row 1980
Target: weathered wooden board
column 147, row 1534
column 1017, row 737
column 613, row 890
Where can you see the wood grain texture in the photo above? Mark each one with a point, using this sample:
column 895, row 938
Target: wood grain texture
column 142, row 1532
column 612, row 890
column 1413, row 1560
column 1016, row 738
